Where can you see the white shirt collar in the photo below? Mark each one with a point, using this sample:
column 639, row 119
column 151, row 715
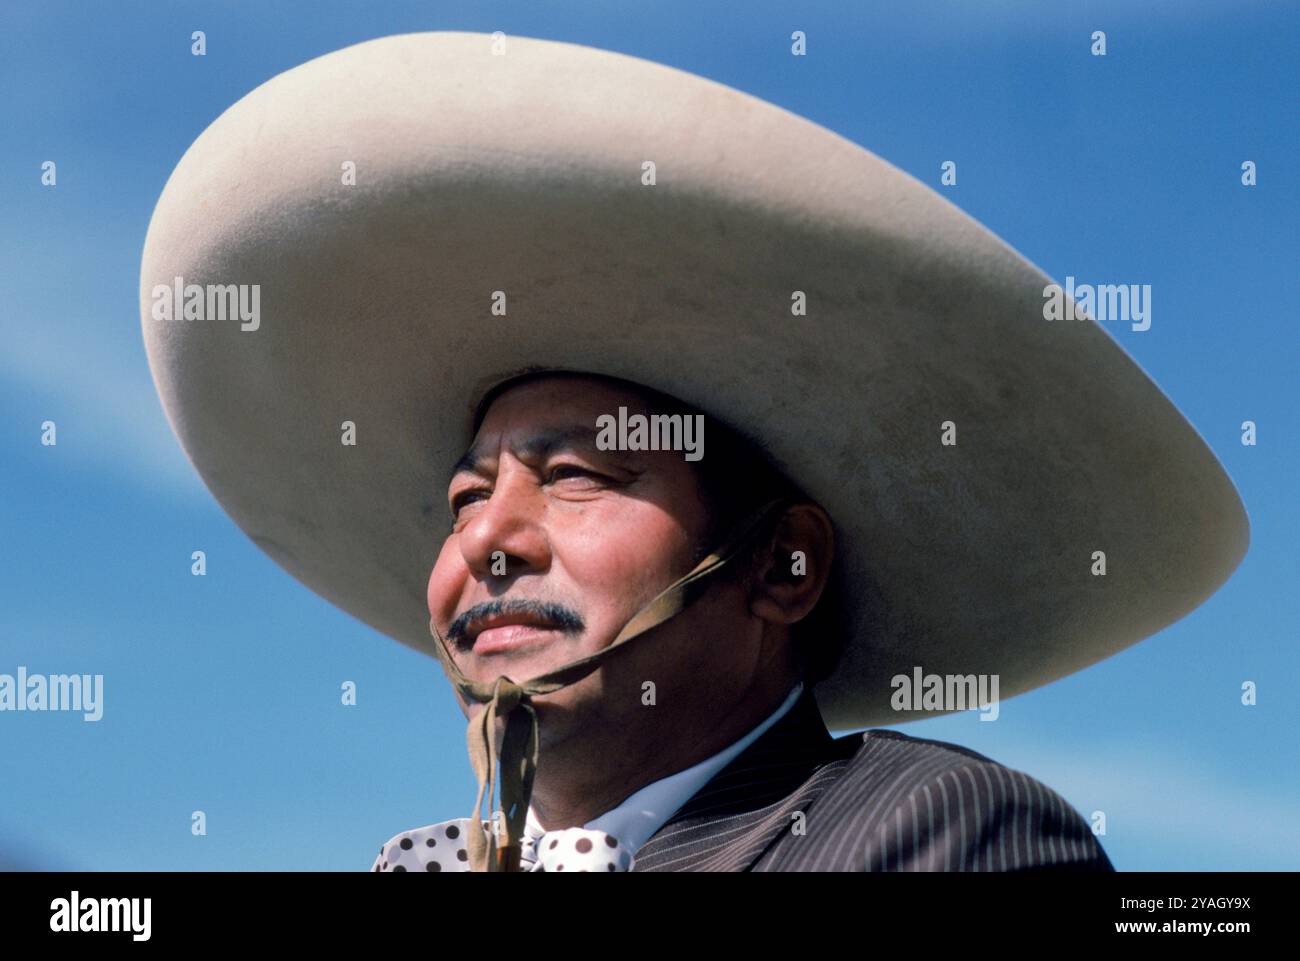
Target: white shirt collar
column 645, row 812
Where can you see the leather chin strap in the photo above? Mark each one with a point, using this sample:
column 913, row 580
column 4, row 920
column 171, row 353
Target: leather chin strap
column 505, row 698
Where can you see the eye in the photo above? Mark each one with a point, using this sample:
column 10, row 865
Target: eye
column 467, row 497
column 560, row 471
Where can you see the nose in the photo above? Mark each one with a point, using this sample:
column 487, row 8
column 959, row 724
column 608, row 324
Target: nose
column 506, row 537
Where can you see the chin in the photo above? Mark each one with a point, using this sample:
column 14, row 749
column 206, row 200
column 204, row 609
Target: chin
column 519, row 669
column 526, row 664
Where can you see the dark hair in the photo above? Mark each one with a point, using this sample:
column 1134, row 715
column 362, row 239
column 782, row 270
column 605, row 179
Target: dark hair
column 736, row 478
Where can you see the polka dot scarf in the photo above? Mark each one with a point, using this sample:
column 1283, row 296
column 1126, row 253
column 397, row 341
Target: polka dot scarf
column 444, row 847
column 576, row 849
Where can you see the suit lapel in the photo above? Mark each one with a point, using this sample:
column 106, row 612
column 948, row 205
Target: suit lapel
column 730, row 821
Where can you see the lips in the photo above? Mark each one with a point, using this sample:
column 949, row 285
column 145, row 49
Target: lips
column 507, row 632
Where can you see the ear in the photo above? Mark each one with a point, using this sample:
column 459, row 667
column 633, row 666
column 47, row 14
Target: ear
column 793, row 569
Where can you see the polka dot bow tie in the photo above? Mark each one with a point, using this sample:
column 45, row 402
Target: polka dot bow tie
column 443, row 847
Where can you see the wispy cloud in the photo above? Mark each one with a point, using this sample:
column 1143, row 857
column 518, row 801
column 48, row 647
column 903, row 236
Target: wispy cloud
column 123, row 431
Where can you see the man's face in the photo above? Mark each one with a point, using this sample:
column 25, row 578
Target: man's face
column 573, row 541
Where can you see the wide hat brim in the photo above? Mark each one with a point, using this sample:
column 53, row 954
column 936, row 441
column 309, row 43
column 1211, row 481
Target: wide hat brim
column 517, row 166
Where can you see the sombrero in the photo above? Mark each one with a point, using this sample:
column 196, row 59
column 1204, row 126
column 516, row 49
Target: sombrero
column 645, row 223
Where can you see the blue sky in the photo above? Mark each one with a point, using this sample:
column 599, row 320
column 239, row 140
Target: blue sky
column 221, row 692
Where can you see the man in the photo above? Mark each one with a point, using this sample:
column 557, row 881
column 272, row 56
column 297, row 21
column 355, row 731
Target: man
column 949, row 484
column 583, row 539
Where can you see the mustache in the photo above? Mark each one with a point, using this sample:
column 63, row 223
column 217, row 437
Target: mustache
column 558, row 615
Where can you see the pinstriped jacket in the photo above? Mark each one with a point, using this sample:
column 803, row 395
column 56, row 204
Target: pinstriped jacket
column 876, row 801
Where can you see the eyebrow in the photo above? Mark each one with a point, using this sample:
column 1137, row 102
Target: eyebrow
column 538, row 446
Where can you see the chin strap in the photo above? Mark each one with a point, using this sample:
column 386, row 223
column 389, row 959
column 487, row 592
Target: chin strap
column 504, row 698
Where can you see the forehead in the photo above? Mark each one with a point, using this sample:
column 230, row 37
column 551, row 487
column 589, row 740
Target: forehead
column 547, row 413
column 554, row 401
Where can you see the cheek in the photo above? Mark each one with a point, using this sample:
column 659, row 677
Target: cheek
column 445, row 582
column 620, row 564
